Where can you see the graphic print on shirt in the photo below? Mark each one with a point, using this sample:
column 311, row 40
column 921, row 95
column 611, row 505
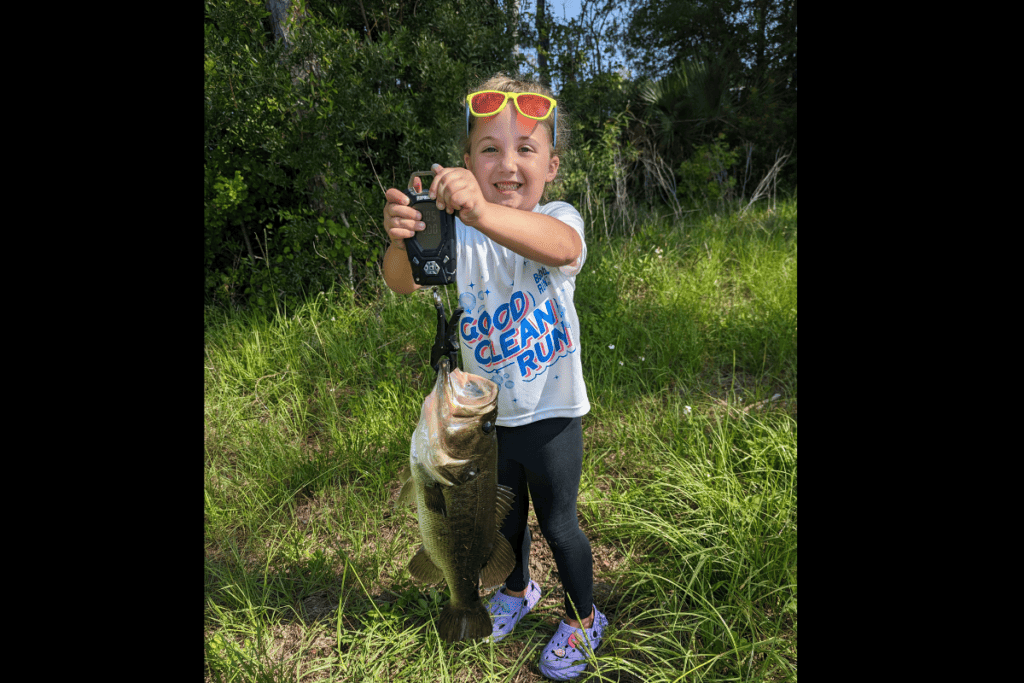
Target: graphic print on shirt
column 524, row 336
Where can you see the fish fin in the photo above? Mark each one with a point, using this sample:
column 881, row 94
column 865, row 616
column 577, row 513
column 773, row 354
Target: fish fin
column 404, row 475
column 408, row 494
column 500, row 564
column 504, row 504
column 424, row 569
column 433, row 498
column 462, row 624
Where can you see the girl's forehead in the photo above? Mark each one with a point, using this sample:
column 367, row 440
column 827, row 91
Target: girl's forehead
column 508, row 124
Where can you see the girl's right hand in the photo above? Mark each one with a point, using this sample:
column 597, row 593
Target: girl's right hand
column 400, row 220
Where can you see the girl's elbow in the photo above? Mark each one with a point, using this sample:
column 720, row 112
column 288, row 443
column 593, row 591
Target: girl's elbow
column 574, row 251
column 568, row 260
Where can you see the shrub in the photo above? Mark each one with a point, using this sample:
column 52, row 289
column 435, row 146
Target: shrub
column 708, row 173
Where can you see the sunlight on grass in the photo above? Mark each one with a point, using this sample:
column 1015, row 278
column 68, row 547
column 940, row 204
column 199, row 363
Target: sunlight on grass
column 689, row 490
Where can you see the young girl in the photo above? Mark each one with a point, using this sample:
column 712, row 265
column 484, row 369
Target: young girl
column 516, row 276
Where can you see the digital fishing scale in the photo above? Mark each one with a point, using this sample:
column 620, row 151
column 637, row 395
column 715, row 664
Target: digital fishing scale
column 431, row 251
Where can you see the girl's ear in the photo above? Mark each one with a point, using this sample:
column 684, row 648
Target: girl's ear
column 465, row 160
column 552, row 169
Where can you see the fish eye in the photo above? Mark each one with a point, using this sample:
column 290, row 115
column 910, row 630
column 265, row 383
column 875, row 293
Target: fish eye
column 488, row 427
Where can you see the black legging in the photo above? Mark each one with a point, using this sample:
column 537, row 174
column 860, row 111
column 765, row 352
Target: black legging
column 547, row 457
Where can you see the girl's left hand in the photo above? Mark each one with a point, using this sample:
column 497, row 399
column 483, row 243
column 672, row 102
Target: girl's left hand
column 456, row 189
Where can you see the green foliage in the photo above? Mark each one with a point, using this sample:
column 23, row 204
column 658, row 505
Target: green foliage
column 678, row 137
column 319, row 126
column 593, row 101
column 222, row 208
column 750, row 53
column 229, row 193
column 706, row 174
column 687, row 105
column 766, row 122
column 594, row 164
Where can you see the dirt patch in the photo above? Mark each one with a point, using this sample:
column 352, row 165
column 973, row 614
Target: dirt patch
column 720, row 408
column 291, row 647
column 317, row 606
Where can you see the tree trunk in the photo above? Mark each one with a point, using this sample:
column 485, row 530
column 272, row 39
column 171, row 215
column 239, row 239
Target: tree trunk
column 285, row 17
column 544, row 45
column 279, row 17
column 515, row 29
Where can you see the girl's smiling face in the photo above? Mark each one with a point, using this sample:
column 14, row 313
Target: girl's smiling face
column 510, row 157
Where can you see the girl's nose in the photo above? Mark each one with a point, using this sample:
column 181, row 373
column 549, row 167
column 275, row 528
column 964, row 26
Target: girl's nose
column 508, row 161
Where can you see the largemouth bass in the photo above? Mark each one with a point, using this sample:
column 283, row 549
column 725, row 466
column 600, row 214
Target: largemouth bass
column 452, row 478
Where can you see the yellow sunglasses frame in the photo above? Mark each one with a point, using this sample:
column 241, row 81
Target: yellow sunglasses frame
column 514, row 96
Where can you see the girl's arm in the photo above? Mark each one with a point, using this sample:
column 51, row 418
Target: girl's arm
column 397, row 271
column 536, row 236
column 533, row 235
column 400, row 221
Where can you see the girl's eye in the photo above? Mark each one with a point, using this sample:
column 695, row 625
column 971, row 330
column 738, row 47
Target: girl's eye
column 525, row 149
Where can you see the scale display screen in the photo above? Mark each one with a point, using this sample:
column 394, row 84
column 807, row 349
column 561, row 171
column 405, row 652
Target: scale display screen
column 432, row 251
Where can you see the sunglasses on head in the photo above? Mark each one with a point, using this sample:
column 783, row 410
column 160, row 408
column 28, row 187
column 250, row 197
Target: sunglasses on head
column 529, row 104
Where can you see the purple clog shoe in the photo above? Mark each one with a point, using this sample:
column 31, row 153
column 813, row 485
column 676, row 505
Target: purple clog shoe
column 568, row 650
column 506, row 611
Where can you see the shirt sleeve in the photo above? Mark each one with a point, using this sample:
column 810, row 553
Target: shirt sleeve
column 568, row 214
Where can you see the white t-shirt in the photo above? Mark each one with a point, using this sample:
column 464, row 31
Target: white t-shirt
column 520, row 328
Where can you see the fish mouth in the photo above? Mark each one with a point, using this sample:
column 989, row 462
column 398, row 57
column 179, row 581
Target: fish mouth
column 459, row 401
column 463, row 394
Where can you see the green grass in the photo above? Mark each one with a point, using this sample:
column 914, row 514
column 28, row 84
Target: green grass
column 688, row 493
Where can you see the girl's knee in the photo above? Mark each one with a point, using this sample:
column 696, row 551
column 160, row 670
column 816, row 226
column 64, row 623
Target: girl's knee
column 564, row 535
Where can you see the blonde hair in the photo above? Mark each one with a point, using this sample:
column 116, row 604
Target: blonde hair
column 503, row 83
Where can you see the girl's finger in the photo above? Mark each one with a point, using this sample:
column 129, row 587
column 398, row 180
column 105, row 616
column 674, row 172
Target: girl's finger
column 404, row 229
column 406, row 215
column 438, row 170
column 396, row 197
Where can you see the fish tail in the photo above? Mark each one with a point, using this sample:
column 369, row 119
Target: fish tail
column 463, row 623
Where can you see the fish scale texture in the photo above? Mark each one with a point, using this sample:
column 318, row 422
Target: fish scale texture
column 452, row 480
column 566, row 653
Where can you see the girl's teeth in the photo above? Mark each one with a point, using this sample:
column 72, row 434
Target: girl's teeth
column 508, row 186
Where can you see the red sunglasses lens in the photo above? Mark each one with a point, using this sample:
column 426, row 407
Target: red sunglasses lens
column 532, row 105
column 488, row 102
